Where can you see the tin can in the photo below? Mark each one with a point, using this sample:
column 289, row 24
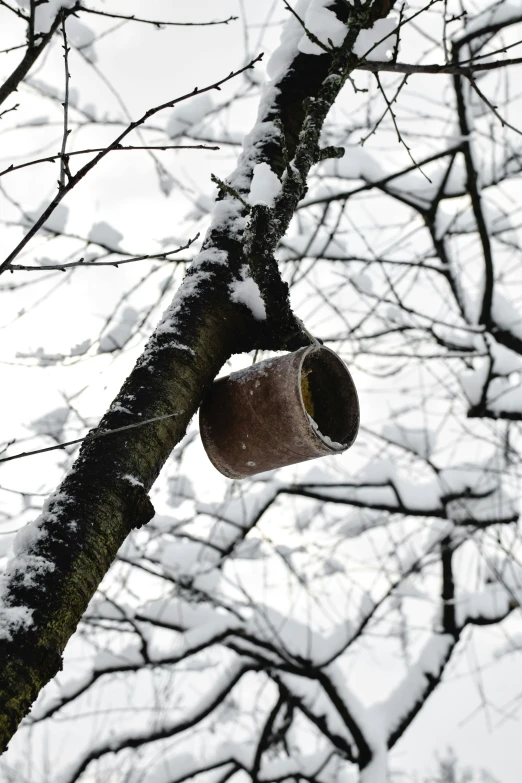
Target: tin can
column 280, row 412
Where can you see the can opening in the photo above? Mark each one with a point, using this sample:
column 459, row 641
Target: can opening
column 329, row 396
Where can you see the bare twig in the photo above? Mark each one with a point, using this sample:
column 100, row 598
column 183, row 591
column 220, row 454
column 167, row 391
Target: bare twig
column 492, row 106
column 16, row 11
column 94, row 262
column 64, row 166
column 389, row 104
column 119, row 148
column 400, row 137
column 155, row 23
column 12, row 48
column 6, row 111
column 93, row 435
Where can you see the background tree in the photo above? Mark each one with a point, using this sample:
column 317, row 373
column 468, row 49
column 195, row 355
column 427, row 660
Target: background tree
column 294, row 627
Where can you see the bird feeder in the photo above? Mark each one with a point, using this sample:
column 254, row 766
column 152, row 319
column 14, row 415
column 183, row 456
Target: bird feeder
column 279, row 412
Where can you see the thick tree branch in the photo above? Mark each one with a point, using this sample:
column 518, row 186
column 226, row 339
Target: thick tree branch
column 475, row 196
column 62, row 557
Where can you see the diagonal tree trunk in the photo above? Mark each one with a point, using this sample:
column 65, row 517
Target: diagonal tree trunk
column 61, row 558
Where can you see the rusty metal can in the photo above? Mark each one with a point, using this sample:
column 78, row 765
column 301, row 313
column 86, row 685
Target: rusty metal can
column 280, row 412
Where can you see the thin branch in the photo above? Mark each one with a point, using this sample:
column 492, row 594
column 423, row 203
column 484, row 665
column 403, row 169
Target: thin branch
column 400, row 137
column 481, row 411
column 6, row 111
column 127, row 668
column 119, row 148
column 13, row 48
column 96, row 263
column 16, row 11
column 492, row 107
column 93, row 435
column 155, row 23
column 385, row 112
column 64, row 165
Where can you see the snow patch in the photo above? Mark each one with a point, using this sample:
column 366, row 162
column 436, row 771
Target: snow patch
column 188, row 114
column 421, row 441
column 45, row 13
column 287, row 50
column 27, row 567
column 265, row 186
column 246, row 291
column 329, row 442
column 491, row 604
column 56, row 221
column 212, row 256
column 81, row 348
column 103, row 234
column 505, row 315
column 325, row 25
column 13, row 619
column 227, row 214
column 132, row 480
column 119, row 335
column 82, row 37
column 52, row 423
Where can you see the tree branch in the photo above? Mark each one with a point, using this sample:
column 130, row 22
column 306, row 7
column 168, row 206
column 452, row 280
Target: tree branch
column 31, row 55
column 468, row 71
column 155, row 22
column 62, row 557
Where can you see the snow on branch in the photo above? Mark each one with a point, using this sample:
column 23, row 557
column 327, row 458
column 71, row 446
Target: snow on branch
column 399, row 709
column 125, row 737
column 200, row 626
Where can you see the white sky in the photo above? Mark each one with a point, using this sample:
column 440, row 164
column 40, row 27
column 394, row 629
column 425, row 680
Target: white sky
column 148, row 67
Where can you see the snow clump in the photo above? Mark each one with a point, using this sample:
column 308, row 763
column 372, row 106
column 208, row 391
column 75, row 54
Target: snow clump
column 45, row 13
column 246, row 291
column 265, row 187
column 185, row 115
